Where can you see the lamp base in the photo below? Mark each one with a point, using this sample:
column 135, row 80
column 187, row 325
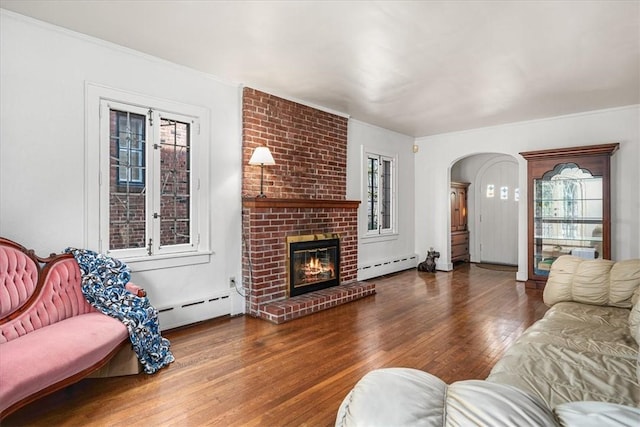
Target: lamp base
column 261, row 195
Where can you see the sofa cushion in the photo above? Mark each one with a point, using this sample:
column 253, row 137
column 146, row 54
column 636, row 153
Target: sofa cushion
column 409, row 397
column 596, row 414
column 576, row 352
column 597, row 282
column 634, row 317
column 566, row 313
column 51, row 354
column 625, row 280
column 634, row 326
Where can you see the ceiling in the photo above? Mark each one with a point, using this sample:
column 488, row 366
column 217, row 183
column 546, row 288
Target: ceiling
column 415, row 67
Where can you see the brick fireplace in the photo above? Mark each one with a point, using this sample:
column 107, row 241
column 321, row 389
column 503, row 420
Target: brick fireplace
column 306, row 195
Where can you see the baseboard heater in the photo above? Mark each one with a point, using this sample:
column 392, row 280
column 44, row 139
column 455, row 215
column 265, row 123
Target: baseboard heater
column 194, row 311
column 388, row 266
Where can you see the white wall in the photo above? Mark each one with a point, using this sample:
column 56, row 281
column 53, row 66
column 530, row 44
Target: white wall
column 396, row 252
column 43, row 71
column 438, row 153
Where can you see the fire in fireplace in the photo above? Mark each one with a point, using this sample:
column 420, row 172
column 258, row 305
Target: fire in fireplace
column 313, row 262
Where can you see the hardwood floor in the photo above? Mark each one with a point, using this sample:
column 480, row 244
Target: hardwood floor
column 243, row 371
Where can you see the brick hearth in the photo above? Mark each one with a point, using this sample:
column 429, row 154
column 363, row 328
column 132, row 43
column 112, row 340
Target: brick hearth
column 306, row 192
column 284, row 310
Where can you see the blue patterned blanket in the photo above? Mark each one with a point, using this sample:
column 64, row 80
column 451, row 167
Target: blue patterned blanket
column 103, row 285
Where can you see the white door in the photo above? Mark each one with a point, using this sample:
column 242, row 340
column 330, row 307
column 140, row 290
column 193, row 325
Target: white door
column 499, row 213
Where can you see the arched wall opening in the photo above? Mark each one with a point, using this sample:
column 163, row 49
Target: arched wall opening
column 493, row 197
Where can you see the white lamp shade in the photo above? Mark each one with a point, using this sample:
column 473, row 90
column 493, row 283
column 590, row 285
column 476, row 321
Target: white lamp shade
column 261, row 156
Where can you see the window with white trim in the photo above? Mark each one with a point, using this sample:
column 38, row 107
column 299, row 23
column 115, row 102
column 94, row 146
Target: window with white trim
column 152, row 167
column 380, row 190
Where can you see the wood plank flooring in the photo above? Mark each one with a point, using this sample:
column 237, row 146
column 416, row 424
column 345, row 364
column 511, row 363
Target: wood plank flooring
column 243, row 371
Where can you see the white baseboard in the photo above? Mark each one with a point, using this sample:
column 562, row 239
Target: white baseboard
column 388, row 266
column 194, row 311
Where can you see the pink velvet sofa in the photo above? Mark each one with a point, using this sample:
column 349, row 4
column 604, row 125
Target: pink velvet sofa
column 50, row 336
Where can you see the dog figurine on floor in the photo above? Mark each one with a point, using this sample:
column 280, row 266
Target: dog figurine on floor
column 429, row 264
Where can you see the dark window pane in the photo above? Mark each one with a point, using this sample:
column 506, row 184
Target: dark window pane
column 127, row 196
column 175, row 176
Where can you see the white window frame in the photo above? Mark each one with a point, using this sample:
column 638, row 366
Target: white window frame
column 99, row 100
column 380, row 232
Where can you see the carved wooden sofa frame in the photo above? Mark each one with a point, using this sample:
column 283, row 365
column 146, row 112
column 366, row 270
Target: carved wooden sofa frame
column 50, row 337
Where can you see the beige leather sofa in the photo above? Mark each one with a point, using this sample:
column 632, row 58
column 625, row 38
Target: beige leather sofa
column 578, row 366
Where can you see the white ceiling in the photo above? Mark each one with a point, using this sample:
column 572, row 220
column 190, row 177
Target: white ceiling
column 416, row 67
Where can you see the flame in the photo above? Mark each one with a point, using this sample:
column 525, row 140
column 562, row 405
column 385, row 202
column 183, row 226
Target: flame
column 314, row 268
column 314, row 264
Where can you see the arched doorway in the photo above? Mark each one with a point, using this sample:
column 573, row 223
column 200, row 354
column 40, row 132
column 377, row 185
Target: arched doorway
column 492, row 206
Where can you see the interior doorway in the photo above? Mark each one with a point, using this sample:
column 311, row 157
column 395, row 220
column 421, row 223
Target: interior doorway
column 493, row 199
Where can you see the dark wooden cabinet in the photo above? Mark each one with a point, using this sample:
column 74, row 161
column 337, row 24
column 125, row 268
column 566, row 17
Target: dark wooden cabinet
column 459, row 229
column 569, row 206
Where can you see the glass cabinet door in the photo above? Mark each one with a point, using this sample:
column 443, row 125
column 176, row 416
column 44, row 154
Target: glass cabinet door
column 568, row 216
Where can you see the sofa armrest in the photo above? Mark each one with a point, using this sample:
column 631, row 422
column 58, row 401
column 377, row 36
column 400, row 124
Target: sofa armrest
column 409, row 397
column 135, row 289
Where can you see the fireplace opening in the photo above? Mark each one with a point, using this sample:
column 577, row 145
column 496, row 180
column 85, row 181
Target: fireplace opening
column 314, row 262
